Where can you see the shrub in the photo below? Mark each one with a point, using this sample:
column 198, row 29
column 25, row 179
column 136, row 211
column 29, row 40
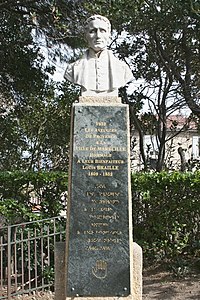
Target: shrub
column 35, row 252
column 166, row 207
column 19, row 190
column 166, row 213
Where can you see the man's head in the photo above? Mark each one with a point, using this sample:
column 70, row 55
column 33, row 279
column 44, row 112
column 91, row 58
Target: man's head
column 97, row 32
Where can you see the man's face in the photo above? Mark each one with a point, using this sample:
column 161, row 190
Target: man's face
column 97, row 35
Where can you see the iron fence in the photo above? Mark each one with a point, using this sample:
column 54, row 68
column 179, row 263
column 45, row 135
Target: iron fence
column 27, row 256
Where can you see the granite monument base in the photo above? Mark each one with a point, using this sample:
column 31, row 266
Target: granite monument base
column 136, row 275
column 100, row 261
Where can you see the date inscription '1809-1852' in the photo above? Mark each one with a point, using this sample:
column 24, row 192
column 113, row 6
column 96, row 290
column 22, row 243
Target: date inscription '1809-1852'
column 98, row 255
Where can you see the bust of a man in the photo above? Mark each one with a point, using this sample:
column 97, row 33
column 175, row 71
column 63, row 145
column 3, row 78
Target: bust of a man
column 98, row 72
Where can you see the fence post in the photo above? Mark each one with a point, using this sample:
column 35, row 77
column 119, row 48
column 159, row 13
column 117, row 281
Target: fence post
column 9, row 264
column 60, row 271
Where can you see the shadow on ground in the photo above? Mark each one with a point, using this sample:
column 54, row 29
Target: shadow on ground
column 159, row 284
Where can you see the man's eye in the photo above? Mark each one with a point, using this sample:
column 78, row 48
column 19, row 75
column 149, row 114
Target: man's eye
column 102, row 30
column 92, row 31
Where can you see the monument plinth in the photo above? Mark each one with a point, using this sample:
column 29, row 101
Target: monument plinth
column 99, row 223
column 99, row 248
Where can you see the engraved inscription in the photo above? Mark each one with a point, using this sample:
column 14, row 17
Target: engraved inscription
column 99, row 226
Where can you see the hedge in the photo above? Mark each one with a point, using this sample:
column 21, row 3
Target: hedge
column 17, row 189
column 166, row 213
column 166, row 207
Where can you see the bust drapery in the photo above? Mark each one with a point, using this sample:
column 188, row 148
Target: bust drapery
column 104, row 72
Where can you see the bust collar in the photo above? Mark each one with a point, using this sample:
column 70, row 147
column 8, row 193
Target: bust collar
column 92, row 54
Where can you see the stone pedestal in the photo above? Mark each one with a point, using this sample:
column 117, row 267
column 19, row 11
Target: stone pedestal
column 60, row 270
column 136, row 275
column 100, row 259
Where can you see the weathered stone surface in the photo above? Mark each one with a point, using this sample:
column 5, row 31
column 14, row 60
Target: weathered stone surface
column 99, row 252
column 136, row 276
column 100, row 99
column 60, row 270
column 136, row 273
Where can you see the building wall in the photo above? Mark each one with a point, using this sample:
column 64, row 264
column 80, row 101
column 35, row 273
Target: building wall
column 189, row 141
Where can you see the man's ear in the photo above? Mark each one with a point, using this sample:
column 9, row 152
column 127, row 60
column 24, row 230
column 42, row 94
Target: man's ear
column 85, row 36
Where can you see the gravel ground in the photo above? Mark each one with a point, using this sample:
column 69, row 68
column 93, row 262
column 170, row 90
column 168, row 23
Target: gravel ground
column 157, row 285
column 163, row 286
column 36, row 296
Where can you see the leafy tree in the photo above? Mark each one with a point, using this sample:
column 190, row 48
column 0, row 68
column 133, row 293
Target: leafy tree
column 34, row 128
column 25, row 25
column 35, row 136
column 46, row 125
column 164, row 36
column 161, row 45
column 166, row 55
column 159, row 31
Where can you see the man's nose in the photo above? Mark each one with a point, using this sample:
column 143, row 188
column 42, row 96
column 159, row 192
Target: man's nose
column 98, row 33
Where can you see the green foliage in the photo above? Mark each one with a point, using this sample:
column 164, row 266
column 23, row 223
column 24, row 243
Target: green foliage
column 35, row 135
column 160, row 42
column 18, row 189
column 166, row 210
column 36, row 246
column 21, row 66
column 25, row 27
column 11, row 211
column 34, row 113
column 164, row 45
column 161, row 46
column 166, row 213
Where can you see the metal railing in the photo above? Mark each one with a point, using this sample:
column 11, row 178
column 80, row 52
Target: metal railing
column 27, row 256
